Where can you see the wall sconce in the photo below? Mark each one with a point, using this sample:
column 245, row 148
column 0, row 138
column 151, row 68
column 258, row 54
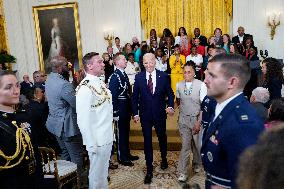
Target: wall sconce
column 273, row 22
column 108, row 36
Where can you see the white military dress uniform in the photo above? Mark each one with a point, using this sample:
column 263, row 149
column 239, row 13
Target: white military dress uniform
column 95, row 114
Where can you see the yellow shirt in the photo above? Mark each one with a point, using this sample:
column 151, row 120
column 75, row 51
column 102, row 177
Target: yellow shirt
column 177, row 66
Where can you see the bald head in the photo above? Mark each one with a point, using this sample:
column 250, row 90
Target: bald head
column 241, row 31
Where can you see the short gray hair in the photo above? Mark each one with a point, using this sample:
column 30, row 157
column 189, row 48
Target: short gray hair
column 261, row 94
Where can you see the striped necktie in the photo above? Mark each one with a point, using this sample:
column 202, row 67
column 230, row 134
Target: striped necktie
column 150, row 84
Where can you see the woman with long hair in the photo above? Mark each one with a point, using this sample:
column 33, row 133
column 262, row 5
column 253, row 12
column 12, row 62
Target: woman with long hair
column 272, row 71
column 184, row 41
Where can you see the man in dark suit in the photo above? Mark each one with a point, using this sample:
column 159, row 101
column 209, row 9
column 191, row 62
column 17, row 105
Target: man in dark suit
column 203, row 39
column 26, row 85
column 151, row 88
column 239, row 39
column 120, row 89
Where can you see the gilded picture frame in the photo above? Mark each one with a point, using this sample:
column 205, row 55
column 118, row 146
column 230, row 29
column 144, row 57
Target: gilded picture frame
column 58, row 33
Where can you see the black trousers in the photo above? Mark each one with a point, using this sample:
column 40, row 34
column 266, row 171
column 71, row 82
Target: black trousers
column 160, row 128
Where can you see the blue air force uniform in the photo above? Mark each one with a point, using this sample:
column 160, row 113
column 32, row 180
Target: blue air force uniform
column 208, row 111
column 120, row 89
column 233, row 130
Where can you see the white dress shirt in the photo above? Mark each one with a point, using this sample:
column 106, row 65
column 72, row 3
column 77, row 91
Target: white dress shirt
column 160, row 66
column 131, row 70
column 116, row 49
column 153, row 74
column 222, row 105
column 241, row 38
column 198, row 59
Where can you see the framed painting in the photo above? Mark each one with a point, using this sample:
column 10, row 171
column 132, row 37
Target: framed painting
column 58, row 33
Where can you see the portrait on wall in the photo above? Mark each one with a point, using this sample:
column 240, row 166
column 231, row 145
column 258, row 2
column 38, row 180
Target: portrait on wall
column 58, row 34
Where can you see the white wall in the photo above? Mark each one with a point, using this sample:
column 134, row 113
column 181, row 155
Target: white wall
column 252, row 14
column 123, row 16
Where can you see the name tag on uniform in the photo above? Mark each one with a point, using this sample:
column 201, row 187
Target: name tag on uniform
column 244, row 117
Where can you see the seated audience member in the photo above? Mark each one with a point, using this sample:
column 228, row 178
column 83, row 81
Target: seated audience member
column 211, row 41
column 117, row 47
column 240, row 38
column 207, row 57
column 127, row 50
column 226, row 43
column 183, row 40
column 275, row 113
column 176, row 62
column 153, row 46
column 248, row 43
column 252, row 54
column 234, row 49
column 137, row 53
column 37, row 112
column 218, row 37
column 197, row 59
column 135, row 44
column 168, row 47
column 153, row 36
column 166, row 33
column 200, row 48
column 144, row 50
column 218, row 50
column 203, row 39
column 261, row 165
column 161, row 60
column 272, row 70
column 109, row 66
column 258, row 98
column 39, row 79
column 110, row 52
column 132, row 68
column 26, row 85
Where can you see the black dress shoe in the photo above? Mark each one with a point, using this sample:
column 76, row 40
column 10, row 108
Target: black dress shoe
column 148, row 178
column 133, row 158
column 164, row 165
column 126, row 163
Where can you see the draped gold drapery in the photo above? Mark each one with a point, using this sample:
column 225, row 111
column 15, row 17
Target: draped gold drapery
column 3, row 35
column 172, row 14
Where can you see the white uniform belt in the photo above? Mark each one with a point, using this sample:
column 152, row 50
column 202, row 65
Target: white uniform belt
column 121, row 97
column 218, row 180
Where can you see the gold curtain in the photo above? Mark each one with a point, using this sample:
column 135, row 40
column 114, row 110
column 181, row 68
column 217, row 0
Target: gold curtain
column 3, row 36
column 172, row 14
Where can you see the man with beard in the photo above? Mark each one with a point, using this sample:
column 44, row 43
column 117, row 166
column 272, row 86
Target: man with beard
column 235, row 125
column 61, row 120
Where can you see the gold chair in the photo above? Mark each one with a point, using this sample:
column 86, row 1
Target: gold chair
column 63, row 171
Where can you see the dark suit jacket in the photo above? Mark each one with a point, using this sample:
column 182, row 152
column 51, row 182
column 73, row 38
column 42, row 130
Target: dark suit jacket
column 151, row 107
column 236, row 40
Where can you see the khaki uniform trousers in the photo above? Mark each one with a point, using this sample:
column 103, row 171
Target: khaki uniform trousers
column 190, row 143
